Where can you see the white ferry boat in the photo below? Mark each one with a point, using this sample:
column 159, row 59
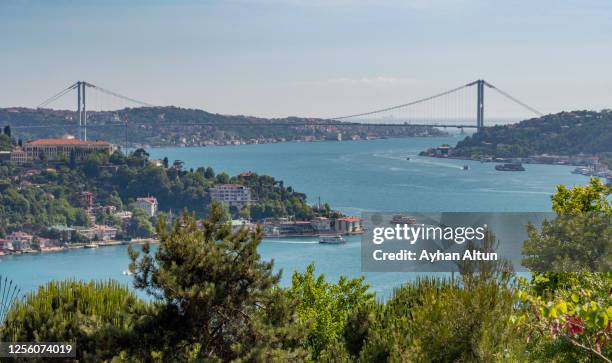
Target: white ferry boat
column 332, row 240
column 402, row 219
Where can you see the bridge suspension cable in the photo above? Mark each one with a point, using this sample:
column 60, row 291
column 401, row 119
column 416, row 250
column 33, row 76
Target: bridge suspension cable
column 57, row 95
column 126, row 98
column 405, row 104
column 526, row 106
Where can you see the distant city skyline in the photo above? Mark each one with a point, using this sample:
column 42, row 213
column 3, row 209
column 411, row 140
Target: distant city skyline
column 316, row 58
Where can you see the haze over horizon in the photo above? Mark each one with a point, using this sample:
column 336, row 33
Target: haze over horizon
column 273, row 58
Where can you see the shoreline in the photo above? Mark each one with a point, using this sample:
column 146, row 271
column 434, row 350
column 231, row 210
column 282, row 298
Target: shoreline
column 143, row 146
column 78, row 246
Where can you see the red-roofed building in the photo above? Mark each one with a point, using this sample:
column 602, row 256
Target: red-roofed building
column 20, row 240
column 56, row 149
column 149, row 204
column 348, row 225
column 87, row 199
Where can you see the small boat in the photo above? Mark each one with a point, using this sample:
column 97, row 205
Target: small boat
column 510, row 167
column 466, row 167
column 402, row 219
column 127, row 272
column 332, row 240
column 408, row 158
column 91, row 245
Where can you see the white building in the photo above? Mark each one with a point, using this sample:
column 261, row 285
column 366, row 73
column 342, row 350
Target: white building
column 348, row 225
column 20, row 240
column 234, row 195
column 98, row 232
column 149, row 204
column 321, row 224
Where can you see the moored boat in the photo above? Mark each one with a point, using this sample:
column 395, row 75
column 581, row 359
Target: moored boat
column 402, row 219
column 510, row 167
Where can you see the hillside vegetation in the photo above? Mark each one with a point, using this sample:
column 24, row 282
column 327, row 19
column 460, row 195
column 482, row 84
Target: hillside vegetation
column 160, row 126
column 565, row 133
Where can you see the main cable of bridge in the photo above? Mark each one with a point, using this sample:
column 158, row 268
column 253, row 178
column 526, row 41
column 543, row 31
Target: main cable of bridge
column 404, row 104
column 90, row 85
column 513, row 99
column 479, row 109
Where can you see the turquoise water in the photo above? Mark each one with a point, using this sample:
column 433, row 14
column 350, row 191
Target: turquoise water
column 352, row 176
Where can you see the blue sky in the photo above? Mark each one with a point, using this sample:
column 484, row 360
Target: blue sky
column 307, row 58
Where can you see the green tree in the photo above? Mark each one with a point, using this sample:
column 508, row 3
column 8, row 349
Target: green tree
column 140, row 225
column 92, row 315
column 324, row 307
column 223, row 178
column 216, row 299
column 91, row 166
column 569, row 314
column 440, row 320
column 5, row 142
column 209, row 173
column 82, row 218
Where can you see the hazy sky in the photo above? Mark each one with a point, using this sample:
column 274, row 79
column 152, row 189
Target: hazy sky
column 307, row 57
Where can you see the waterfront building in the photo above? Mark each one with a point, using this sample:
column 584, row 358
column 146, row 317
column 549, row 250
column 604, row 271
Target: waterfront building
column 20, row 240
column 296, row 228
column 64, row 231
column 6, row 246
column 237, row 224
column 321, row 224
column 58, row 149
column 443, row 150
column 348, row 225
column 234, row 195
column 148, row 204
column 98, row 232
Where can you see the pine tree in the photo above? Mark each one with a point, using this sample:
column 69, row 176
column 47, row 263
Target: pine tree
column 215, row 298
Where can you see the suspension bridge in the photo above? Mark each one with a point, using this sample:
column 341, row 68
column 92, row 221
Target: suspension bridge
column 460, row 107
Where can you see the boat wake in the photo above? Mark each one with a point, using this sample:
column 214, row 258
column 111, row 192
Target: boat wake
column 290, row 242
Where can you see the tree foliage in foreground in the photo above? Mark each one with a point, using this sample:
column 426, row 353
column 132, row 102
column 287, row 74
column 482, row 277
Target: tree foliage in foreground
column 215, row 299
column 324, row 307
column 569, row 314
column 92, row 315
column 212, row 299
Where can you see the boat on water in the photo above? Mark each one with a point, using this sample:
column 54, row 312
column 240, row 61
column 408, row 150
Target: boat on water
column 510, row 167
column 408, row 158
column 91, row 245
column 402, row 219
column 332, row 240
column 582, row 171
column 466, row 167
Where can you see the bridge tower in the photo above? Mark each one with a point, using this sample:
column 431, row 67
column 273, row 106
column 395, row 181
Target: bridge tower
column 480, row 104
column 82, row 110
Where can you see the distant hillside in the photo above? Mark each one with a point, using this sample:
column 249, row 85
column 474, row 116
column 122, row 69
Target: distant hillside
column 159, row 126
column 565, row 133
